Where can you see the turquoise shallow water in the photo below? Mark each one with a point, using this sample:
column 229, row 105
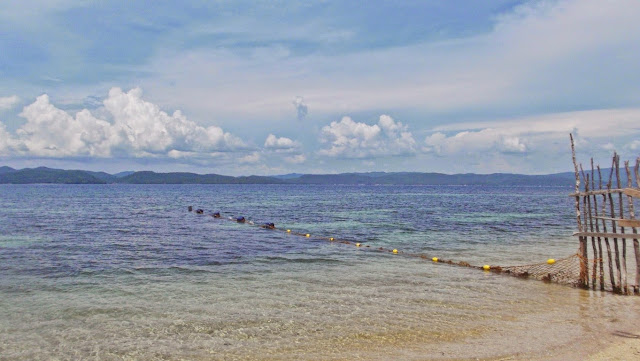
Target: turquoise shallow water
column 125, row 272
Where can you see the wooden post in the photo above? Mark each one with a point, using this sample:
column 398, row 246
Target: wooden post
column 624, row 240
column 604, row 229
column 586, row 200
column 614, row 228
column 636, row 246
column 595, row 211
column 584, row 270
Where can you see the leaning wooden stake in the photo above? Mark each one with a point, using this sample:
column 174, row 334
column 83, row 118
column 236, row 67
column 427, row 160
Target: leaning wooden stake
column 622, row 230
column 584, row 270
column 595, row 211
column 636, row 246
column 586, row 200
column 614, row 229
column 604, row 229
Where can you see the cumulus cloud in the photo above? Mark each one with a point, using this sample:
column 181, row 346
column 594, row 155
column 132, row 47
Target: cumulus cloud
column 301, row 107
column 6, row 141
column 472, row 141
column 281, row 144
column 524, row 134
column 289, row 149
column 147, row 128
column 137, row 128
column 350, row 139
column 52, row 132
column 7, row 103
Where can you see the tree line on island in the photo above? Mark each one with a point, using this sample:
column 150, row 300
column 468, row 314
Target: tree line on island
column 45, row 175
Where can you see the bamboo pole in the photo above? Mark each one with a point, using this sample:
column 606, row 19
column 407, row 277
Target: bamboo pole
column 622, row 231
column 602, row 234
column 604, row 229
column 595, row 210
column 622, row 222
column 636, row 246
column 614, row 229
column 584, row 271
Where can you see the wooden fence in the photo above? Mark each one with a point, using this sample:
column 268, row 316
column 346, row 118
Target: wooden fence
column 606, row 213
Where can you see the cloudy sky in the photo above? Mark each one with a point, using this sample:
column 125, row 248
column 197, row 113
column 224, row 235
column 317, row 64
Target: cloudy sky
column 270, row 87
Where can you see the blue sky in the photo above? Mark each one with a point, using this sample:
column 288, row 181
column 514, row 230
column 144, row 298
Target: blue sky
column 270, row 87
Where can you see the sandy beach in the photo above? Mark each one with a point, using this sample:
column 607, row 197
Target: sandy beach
column 625, row 349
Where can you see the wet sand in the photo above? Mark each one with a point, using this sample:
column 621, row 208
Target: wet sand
column 627, row 349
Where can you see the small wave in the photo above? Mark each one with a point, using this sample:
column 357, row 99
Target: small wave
column 278, row 259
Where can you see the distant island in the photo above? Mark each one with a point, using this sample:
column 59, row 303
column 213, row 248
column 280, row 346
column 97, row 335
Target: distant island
column 41, row 175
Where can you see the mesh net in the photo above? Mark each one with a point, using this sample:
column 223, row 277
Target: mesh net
column 565, row 271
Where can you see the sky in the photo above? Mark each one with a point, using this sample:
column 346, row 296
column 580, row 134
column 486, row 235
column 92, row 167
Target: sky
column 276, row 87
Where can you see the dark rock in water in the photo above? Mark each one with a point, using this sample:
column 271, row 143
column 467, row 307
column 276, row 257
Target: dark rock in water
column 200, row 211
column 190, row 208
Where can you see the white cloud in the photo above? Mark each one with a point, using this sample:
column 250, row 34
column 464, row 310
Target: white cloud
column 281, row 144
column 290, row 150
column 523, row 134
column 149, row 129
column 609, row 147
column 546, row 52
column 6, row 141
column 7, row 103
column 250, row 158
column 138, row 128
column 296, row 159
column 52, row 132
column 349, row 139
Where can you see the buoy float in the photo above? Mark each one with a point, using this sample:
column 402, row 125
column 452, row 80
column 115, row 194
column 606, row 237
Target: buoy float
column 551, row 261
column 331, row 239
column 357, row 244
column 395, row 251
column 486, row 267
column 435, row 259
column 288, row 231
column 307, row 235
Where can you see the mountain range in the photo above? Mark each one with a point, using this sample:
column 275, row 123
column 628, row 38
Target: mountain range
column 49, row 175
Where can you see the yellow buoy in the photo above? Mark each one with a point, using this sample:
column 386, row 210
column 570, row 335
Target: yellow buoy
column 288, row 231
column 357, row 244
column 486, row 267
column 331, row 239
column 395, row 251
column 307, row 235
column 551, row 261
column 435, row 259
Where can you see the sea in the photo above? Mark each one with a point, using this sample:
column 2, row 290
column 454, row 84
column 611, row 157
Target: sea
column 126, row 272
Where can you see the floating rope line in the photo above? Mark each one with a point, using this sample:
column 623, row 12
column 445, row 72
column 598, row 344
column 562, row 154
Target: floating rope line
column 564, row 271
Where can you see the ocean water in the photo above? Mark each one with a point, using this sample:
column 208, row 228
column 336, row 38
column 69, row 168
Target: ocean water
column 125, row 272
